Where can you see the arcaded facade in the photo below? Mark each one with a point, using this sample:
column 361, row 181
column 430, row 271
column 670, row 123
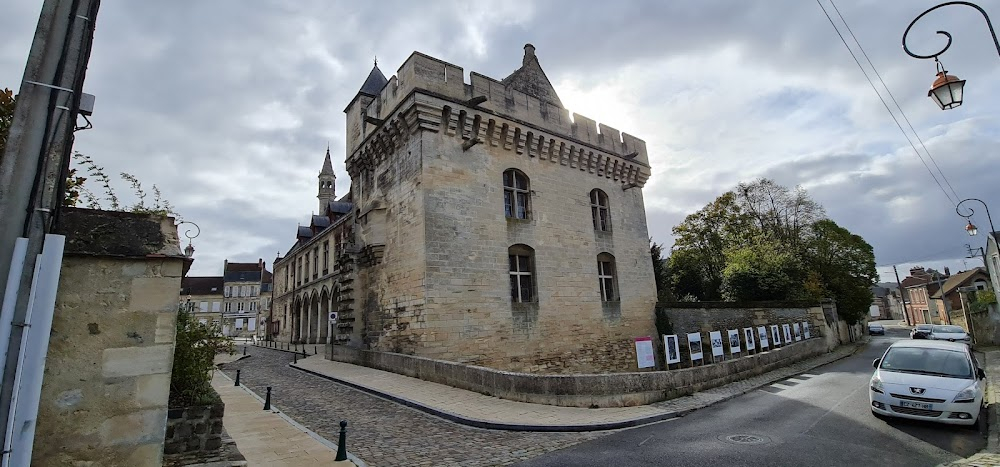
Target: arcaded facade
column 484, row 225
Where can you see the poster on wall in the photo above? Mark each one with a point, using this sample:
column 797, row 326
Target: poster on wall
column 694, row 346
column 716, row 337
column 644, row 352
column 805, row 330
column 734, row 341
column 748, row 334
column 788, row 333
column 672, row 349
column 797, row 331
column 762, row 335
column 775, row 335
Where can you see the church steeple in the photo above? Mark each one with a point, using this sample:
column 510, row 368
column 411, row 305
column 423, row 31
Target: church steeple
column 327, row 183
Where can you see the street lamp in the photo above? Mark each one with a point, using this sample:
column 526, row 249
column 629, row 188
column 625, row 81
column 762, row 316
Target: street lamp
column 970, row 227
column 189, row 249
column 946, row 91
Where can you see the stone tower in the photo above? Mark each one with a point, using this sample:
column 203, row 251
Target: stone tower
column 327, row 184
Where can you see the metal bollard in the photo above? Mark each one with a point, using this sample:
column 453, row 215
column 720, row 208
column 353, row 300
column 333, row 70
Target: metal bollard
column 314, row 350
column 267, row 399
column 295, row 357
column 237, row 378
column 342, row 444
column 244, row 350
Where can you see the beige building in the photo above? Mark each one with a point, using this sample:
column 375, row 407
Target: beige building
column 202, row 296
column 484, row 225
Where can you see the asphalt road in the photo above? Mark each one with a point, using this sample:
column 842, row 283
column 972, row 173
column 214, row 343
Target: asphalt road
column 817, row 418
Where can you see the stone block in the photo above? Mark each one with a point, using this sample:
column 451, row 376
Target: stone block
column 174, row 447
column 140, row 427
column 154, row 294
column 200, row 428
column 166, row 328
column 137, row 361
column 217, row 427
column 152, row 390
column 194, row 443
column 212, row 443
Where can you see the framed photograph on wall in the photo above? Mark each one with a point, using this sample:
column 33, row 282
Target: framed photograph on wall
column 797, row 331
column 805, row 330
column 673, row 350
column 748, row 334
column 734, row 341
column 716, row 337
column 775, row 335
column 762, row 337
column 788, row 333
column 694, row 346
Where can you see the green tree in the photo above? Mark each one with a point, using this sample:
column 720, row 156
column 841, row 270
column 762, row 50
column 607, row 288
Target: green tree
column 7, row 100
column 845, row 265
column 661, row 272
column 195, row 348
column 762, row 271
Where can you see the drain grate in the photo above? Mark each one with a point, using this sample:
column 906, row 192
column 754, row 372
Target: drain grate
column 744, row 439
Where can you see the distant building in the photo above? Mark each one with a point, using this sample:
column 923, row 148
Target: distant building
column 918, row 287
column 202, row 296
column 951, row 301
column 246, row 297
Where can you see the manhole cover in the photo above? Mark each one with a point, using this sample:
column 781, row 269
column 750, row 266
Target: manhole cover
column 744, row 439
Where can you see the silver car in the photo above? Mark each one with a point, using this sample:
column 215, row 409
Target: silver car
column 929, row 380
column 943, row 332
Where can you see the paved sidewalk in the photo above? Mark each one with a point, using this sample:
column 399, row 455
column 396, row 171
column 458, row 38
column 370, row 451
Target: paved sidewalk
column 475, row 409
column 991, row 455
column 266, row 438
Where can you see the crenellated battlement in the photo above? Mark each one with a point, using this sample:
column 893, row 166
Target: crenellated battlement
column 445, row 80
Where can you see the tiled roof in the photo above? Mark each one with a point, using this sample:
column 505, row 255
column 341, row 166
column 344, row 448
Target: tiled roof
column 209, row 285
column 958, row 280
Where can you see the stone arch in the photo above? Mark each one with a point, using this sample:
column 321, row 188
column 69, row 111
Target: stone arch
column 296, row 319
column 313, row 312
column 324, row 315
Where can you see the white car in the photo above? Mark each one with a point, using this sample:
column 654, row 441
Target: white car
column 929, row 380
column 949, row 333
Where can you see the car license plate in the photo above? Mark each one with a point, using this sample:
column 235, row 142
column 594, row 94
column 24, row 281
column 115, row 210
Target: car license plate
column 916, row 405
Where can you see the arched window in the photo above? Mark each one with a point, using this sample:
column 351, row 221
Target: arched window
column 521, row 260
column 607, row 278
column 516, row 194
column 599, row 210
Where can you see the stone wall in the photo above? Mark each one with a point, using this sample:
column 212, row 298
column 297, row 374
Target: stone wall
column 107, row 374
column 583, row 390
column 196, row 428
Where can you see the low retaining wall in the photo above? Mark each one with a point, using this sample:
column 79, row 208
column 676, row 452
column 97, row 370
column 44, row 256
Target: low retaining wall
column 196, row 428
column 581, row 390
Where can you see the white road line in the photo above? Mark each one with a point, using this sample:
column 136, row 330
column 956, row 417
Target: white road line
column 780, row 386
column 644, row 441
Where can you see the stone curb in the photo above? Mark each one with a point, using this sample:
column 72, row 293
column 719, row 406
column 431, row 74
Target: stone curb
column 304, row 354
column 477, row 423
column 274, row 409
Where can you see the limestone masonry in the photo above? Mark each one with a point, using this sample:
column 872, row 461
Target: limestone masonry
column 484, row 225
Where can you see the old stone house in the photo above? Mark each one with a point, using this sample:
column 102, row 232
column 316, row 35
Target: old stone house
column 484, row 225
column 202, row 296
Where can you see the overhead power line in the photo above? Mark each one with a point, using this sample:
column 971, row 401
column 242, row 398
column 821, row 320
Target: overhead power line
column 953, row 201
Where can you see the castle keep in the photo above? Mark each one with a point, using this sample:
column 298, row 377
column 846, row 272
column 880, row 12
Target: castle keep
column 484, row 225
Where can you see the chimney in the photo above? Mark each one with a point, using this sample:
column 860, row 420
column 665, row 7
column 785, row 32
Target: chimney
column 947, row 272
column 260, row 262
column 225, row 266
column 529, row 53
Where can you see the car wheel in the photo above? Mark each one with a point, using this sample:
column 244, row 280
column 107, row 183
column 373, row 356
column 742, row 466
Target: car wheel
column 878, row 415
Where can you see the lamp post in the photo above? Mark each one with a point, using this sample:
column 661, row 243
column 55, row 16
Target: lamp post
column 970, row 227
column 946, row 91
column 189, row 249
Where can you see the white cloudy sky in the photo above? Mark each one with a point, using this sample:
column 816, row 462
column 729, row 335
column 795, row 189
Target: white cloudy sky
column 228, row 105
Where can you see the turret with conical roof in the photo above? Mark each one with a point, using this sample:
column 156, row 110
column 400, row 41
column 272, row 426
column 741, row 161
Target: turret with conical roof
column 327, row 183
column 356, row 109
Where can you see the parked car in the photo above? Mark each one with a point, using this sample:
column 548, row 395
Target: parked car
column 921, row 331
column 875, row 329
column 928, row 380
column 950, row 333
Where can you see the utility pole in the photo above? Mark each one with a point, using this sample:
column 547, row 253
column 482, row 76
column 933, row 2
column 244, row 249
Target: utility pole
column 902, row 296
column 36, row 162
column 944, row 299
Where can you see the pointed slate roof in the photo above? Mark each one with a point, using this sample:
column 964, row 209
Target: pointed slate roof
column 531, row 80
column 375, row 82
column 327, row 165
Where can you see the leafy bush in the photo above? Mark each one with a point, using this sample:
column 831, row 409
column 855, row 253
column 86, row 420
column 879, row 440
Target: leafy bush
column 194, row 356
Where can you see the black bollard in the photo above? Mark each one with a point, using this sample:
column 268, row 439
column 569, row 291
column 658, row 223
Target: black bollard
column 314, row 350
column 342, row 444
column 295, row 357
column 244, row 350
column 237, row 378
column 267, row 399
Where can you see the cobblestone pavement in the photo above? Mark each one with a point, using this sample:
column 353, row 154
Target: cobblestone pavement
column 384, row 433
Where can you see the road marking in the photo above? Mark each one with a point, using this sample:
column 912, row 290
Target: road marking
column 644, row 441
column 796, row 380
column 780, row 386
